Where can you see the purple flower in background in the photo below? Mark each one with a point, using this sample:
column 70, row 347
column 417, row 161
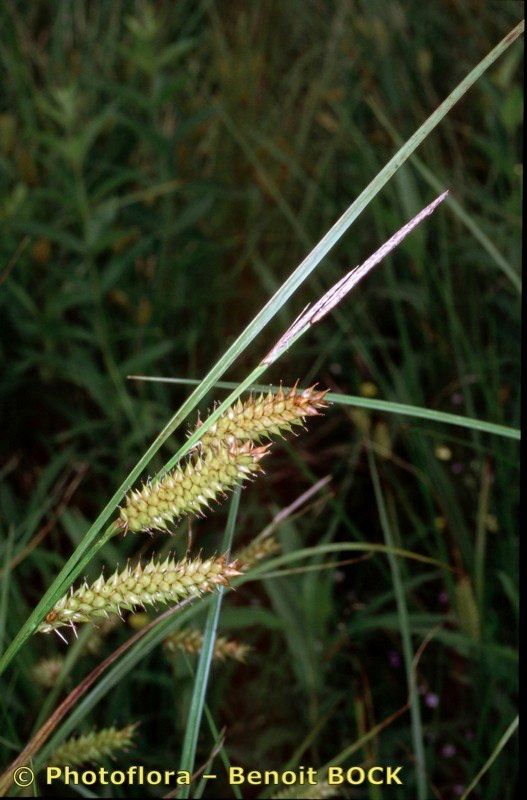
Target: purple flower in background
column 443, row 598
column 448, row 750
column 459, row 789
column 394, row 658
column 457, row 468
column 431, row 700
column 457, row 399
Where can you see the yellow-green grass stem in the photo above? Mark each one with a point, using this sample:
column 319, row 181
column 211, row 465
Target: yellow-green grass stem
column 492, row 758
column 406, row 637
column 199, row 690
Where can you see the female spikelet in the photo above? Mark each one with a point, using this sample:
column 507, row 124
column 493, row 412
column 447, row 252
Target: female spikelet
column 225, row 455
column 190, row 489
column 168, row 581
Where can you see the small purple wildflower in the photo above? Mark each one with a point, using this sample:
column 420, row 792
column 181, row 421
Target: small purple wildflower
column 431, row 700
column 394, row 658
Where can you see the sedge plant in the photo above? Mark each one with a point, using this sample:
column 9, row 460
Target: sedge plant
column 159, row 515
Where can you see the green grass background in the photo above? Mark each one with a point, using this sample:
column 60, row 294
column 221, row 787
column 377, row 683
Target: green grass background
column 163, row 167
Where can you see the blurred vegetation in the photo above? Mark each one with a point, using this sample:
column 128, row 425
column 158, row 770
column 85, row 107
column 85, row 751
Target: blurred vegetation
column 163, row 167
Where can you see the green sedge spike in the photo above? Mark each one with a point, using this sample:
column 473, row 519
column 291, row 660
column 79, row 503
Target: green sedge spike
column 46, row 671
column 169, row 581
column 318, row 791
column 257, row 550
column 263, row 416
column 93, row 747
column 191, row 641
column 190, row 489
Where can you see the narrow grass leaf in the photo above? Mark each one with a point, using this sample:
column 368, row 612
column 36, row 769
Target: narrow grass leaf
column 387, row 406
column 199, row 690
column 492, row 758
column 406, row 637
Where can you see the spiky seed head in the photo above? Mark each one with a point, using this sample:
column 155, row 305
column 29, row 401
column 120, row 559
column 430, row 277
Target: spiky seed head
column 138, row 620
column 93, row 747
column 257, row 550
column 318, row 791
column 191, row 641
column 167, row 582
column 264, row 416
column 46, row 671
column 190, row 489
